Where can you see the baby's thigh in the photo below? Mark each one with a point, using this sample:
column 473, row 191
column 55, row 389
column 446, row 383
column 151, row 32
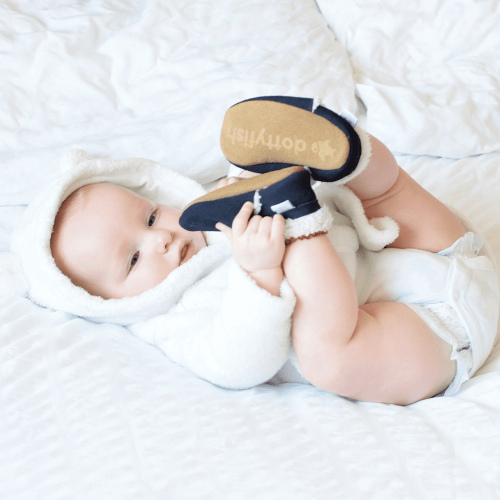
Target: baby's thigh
column 392, row 357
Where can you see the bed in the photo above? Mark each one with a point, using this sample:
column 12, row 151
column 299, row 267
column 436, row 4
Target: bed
column 88, row 411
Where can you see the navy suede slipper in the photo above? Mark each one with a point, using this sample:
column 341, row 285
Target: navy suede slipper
column 269, row 133
column 287, row 192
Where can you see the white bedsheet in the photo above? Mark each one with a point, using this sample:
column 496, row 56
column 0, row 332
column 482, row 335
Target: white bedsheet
column 150, row 78
column 88, row 411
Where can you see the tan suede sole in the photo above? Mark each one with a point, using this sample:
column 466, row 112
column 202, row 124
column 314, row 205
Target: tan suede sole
column 256, row 132
column 247, row 185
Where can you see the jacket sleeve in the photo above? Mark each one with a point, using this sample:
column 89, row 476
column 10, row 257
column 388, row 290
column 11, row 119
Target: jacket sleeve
column 241, row 342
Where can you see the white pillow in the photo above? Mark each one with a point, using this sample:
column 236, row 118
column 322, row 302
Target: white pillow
column 427, row 72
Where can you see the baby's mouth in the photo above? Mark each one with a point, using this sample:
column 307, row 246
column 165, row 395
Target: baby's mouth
column 185, row 253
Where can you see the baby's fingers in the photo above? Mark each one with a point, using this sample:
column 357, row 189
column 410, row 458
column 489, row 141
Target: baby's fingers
column 265, row 225
column 224, row 229
column 240, row 222
column 278, row 227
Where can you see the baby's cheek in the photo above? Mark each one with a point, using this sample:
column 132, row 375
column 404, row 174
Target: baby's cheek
column 201, row 241
column 147, row 279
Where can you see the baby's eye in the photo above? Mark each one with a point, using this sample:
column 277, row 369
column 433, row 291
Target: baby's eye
column 134, row 260
column 152, row 219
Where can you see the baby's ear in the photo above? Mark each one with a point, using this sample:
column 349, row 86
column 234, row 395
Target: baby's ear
column 73, row 157
column 12, row 279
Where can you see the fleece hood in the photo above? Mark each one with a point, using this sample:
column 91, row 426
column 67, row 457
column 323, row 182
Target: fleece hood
column 49, row 287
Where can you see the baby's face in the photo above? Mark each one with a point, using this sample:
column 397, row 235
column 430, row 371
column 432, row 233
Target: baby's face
column 118, row 244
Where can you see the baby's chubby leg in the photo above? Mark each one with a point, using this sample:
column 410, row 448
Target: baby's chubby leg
column 386, row 190
column 381, row 352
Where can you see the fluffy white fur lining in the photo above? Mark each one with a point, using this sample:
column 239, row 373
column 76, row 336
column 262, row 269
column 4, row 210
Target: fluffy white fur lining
column 374, row 234
column 50, row 288
column 321, row 220
column 214, row 333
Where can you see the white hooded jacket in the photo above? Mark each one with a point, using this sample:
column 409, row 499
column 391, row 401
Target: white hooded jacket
column 208, row 315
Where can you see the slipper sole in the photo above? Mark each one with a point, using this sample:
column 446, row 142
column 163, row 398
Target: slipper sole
column 262, row 132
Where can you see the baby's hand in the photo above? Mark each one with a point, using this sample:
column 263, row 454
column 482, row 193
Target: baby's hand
column 258, row 245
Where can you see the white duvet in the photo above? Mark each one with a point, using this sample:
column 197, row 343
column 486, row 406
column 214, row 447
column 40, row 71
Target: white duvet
column 427, row 71
column 89, row 412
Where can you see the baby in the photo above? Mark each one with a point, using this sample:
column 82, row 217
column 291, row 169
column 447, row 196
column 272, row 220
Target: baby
column 365, row 337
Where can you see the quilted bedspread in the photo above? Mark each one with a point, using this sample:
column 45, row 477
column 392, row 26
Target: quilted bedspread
column 89, row 412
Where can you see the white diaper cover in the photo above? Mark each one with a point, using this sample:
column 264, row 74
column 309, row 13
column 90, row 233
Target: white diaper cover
column 455, row 292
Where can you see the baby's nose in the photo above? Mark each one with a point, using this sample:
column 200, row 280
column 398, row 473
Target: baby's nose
column 162, row 239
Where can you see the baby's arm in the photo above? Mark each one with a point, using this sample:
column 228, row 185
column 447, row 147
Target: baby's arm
column 229, row 332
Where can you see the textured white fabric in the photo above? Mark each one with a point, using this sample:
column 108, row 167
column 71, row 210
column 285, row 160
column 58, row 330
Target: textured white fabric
column 12, row 280
column 91, row 412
